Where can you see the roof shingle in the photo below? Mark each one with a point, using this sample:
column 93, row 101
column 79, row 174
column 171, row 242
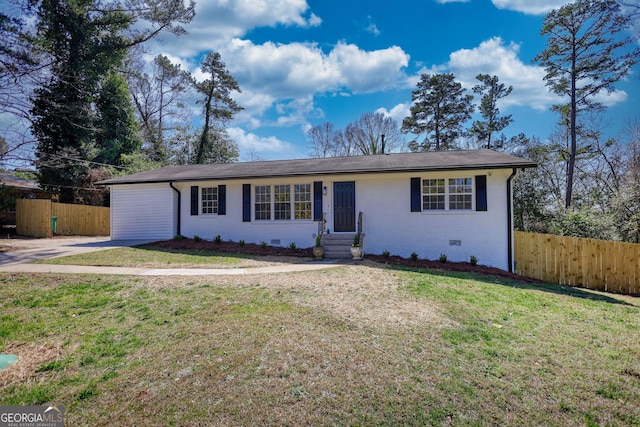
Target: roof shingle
column 395, row 162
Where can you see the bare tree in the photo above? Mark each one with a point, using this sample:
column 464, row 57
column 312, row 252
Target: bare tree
column 322, row 140
column 160, row 97
column 374, row 133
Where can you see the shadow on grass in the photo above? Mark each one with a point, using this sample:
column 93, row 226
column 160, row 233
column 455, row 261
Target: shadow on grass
column 514, row 283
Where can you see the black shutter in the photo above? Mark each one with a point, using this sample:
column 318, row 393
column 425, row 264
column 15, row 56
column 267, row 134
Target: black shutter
column 317, row 200
column 246, row 202
column 222, row 199
column 415, row 195
column 481, row 192
column 194, row 200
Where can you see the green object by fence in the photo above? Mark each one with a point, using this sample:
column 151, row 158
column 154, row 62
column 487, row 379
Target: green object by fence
column 54, row 223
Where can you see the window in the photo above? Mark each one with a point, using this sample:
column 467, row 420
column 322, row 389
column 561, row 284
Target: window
column 302, row 203
column 209, row 200
column 433, row 194
column 263, row 202
column 284, row 205
column 460, row 192
column 447, row 194
column 282, row 201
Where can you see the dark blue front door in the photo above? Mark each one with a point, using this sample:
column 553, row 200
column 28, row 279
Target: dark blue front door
column 344, row 206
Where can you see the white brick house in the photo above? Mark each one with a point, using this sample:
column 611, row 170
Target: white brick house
column 456, row 203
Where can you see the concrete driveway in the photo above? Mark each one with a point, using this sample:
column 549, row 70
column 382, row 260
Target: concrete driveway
column 18, row 251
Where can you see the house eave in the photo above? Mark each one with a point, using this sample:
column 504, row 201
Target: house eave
column 229, row 177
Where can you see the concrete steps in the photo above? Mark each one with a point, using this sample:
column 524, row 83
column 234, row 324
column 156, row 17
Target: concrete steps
column 337, row 245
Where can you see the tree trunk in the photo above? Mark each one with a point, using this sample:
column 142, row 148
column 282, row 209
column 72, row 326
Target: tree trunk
column 572, row 124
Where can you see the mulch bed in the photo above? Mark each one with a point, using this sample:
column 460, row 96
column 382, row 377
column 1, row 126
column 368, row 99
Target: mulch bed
column 261, row 250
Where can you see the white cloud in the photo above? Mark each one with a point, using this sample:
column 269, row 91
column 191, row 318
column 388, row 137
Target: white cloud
column 302, row 69
column 252, row 143
column 218, row 21
column 372, row 27
column 493, row 57
column 398, row 113
column 530, row 7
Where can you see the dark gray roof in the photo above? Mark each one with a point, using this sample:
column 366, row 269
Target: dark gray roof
column 396, row 162
column 10, row 180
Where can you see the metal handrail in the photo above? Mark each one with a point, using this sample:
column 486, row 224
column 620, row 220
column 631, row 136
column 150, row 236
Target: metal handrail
column 322, row 224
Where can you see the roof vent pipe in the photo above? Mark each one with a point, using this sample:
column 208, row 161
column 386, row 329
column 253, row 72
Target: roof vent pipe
column 382, row 144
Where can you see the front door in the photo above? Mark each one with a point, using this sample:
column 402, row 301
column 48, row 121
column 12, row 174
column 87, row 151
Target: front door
column 344, row 206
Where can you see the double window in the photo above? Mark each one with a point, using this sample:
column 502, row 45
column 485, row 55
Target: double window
column 282, row 202
column 441, row 194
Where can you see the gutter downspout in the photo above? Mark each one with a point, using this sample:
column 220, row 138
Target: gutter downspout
column 510, row 222
column 179, row 204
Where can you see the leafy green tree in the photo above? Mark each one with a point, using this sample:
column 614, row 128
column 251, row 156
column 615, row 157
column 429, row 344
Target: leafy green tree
column 214, row 145
column 117, row 132
column 84, row 41
column 82, row 49
column 439, row 111
column 491, row 92
column 586, row 53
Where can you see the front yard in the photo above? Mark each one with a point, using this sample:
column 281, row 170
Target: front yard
column 355, row 345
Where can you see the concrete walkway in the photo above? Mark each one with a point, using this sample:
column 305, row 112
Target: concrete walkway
column 85, row 269
column 26, row 250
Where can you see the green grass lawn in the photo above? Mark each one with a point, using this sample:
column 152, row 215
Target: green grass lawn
column 279, row 350
column 154, row 257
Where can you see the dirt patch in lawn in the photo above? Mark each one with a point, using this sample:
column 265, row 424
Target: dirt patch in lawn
column 362, row 296
column 32, row 360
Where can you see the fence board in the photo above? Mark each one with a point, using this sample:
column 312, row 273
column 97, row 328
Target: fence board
column 35, row 219
column 588, row 263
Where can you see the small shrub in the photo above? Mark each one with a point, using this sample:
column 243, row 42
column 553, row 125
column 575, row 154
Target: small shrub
column 292, row 246
column 386, row 254
column 263, row 245
column 241, row 242
column 443, row 258
column 197, row 238
column 178, row 237
column 217, row 239
column 318, row 242
column 473, row 260
column 414, row 256
column 356, row 240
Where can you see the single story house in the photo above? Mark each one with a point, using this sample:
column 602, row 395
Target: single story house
column 456, row 203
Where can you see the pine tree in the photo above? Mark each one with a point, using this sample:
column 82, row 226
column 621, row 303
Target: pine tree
column 117, row 133
column 491, row 91
column 214, row 144
column 586, row 53
column 439, row 111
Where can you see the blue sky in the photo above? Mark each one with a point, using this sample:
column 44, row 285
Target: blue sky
column 300, row 63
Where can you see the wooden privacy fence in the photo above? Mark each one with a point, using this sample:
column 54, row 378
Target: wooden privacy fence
column 588, row 263
column 34, row 218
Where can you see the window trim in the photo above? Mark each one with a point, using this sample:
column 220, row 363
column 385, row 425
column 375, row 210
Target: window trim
column 447, row 195
column 293, row 202
column 201, row 201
